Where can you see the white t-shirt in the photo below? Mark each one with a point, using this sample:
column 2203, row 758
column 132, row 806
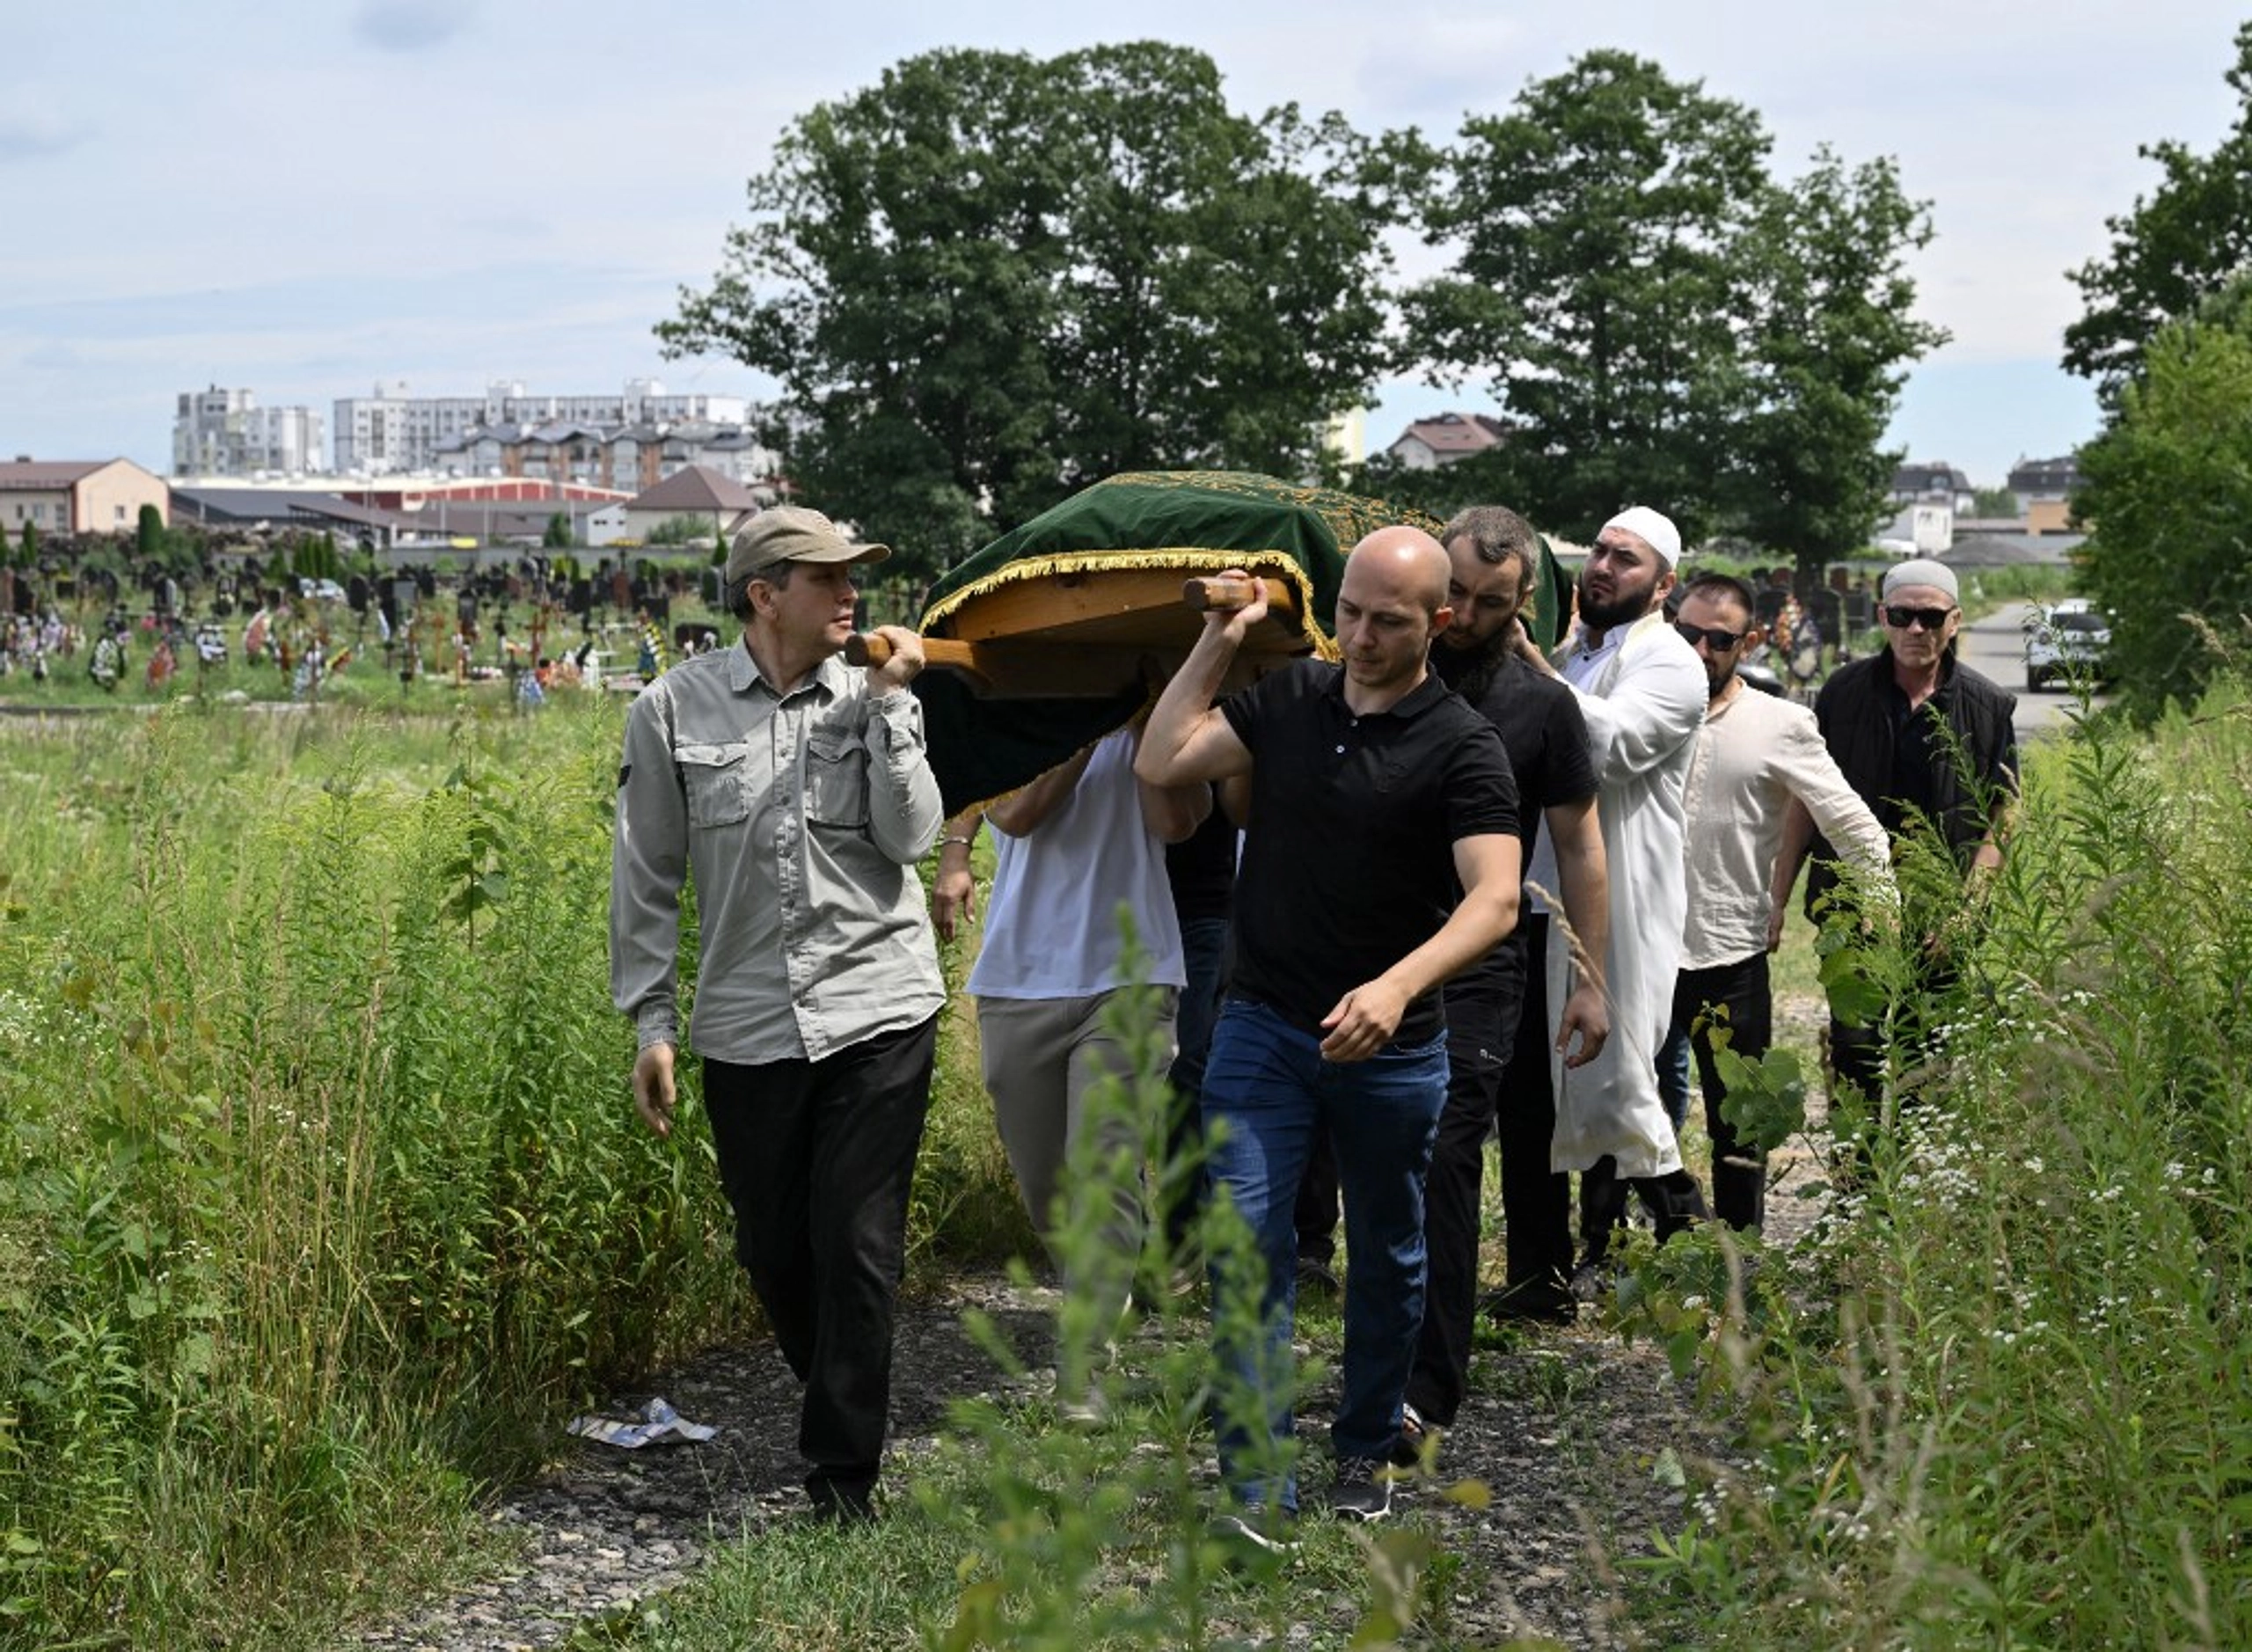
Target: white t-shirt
column 1051, row 922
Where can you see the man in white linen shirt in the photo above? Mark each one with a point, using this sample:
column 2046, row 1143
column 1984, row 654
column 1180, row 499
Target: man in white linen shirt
column 1755, row 754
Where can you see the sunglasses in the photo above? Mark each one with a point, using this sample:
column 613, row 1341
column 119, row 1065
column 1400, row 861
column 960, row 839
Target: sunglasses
column 1915, row 618
column 1718, row 641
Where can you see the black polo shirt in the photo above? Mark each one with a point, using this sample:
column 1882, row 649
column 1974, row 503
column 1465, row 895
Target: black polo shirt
column 1348, row 862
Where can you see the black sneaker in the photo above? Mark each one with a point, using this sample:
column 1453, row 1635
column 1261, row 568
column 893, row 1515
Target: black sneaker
column 1317, row 1278
column 1362, row 1491
column 1531, row 1302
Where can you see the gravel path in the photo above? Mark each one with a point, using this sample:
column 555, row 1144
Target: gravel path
column 1565, row 1425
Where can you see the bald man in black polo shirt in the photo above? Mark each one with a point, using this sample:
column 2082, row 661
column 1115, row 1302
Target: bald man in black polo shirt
column 1374, row 790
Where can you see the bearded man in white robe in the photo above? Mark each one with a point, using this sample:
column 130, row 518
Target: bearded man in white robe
column 1643, row 692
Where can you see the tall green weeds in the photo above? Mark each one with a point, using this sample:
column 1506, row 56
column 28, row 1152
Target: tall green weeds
column 2004, row 1397
column 322, row 1200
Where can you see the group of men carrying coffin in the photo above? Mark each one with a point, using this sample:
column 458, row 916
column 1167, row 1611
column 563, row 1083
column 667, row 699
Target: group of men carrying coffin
column 1392, row 805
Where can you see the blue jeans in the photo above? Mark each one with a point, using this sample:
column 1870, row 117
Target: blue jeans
column 1268, row 1080
column 1673, row 1076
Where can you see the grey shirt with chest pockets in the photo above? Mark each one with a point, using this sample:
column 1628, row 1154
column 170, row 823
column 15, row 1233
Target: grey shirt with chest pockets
column 802, row 817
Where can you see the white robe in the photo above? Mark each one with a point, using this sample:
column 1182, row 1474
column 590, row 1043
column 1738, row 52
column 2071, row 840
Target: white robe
column 1643, row 701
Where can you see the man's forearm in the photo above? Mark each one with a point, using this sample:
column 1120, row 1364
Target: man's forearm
column 1480, row 922
column 1586, row 894
column 1791, row 854
column 1023, row 811
column 1187, row 699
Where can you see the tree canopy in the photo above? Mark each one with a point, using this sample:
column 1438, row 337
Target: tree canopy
column 1662, row 321
column 992, row 279
column 2182, row 245
column 2168, row 487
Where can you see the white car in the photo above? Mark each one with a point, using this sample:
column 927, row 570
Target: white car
column 2069, row 640
column 320, row 590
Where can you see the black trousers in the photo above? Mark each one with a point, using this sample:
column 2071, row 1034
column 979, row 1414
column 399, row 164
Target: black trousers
column 1858, row 1053
column 818, row 1158
column 1536, row 1201
column 1319, row 1202
column 1741, row 988
column 1481, row 1023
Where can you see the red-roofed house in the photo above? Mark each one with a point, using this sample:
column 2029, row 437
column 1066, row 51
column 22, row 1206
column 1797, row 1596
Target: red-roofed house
column 72, row 496
column 1447, row 439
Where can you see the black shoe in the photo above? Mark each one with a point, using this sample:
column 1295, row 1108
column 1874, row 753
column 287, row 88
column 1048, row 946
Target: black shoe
column 841, row 1502
column 1531, row 1301
column 1362, row 1491
column 1317, row 1276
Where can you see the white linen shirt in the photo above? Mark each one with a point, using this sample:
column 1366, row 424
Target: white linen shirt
column 1753, row 755
column 801, row 817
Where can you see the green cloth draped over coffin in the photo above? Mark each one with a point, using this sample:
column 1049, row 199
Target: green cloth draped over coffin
column 1076, row 613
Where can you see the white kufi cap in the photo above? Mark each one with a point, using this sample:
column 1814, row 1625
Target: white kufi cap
column 1655, row 531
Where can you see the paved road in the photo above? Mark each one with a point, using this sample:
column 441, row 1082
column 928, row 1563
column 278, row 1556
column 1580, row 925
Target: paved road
column 1995, row 646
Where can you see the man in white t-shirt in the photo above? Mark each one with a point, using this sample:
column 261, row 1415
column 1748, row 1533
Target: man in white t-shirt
column 1076, row 848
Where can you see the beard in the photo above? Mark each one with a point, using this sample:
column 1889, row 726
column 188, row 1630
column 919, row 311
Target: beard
column 1623, row 608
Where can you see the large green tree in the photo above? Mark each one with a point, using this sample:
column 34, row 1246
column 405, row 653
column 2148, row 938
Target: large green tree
column 1662, row 321
column 1594, row 285
column 1831, row 333
column 2179, row 245
column 991, row 278
column 2167, row 488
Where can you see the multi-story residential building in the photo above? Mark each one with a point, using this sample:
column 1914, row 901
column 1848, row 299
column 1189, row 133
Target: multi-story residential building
column 75, row 496
column 627, row 457
column 391, row 432
column 226, row 433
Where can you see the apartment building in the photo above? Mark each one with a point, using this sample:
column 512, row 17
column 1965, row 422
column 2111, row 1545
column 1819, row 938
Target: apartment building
column 392, row 432
column 225, row 433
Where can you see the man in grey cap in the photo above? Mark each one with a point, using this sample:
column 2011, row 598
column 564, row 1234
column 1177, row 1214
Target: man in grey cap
column 797, row 794
column 1921, row 737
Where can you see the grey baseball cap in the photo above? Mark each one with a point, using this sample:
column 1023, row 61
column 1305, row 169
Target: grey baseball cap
column 792, row 533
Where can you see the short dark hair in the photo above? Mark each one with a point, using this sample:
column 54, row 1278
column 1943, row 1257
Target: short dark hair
column 1497, row 533
column 1725, row 586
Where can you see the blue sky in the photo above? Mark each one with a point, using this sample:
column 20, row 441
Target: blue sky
column 302, row 201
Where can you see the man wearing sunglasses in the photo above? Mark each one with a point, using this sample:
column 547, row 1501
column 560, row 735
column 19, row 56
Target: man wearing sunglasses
column 1757, row 757
column 1922, row 737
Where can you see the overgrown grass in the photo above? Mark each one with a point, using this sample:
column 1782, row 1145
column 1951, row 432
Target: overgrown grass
column 2005, row 1399
column 1019, row 1530
column 321, row 1197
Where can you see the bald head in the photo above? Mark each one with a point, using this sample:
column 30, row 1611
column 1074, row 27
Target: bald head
column 1393, row 599
column 1408, row 564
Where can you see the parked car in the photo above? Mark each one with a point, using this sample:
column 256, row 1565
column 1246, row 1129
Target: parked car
column 2071, row 639
column 320, row 590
